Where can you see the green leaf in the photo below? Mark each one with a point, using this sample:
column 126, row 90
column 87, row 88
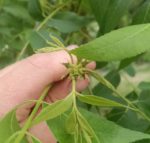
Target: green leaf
column 77, row 125
column 126, row 62
column 142, row 14
column 144, row 85
column 35, row 9
column 143, row 101
column 99, row 8
column 40, row 39
column 8, row 127
column 100, row 65
column 5, row 31
column 19, row 12
column 87, row 137
column 37, row 40
column 107, row 132
column 101, row 90
column 128, row 119
column 87, row 128
column 33, row 139
column 113, row 133
column 130, row 70
column 117, row 45
column 58, row 127
column 53, row 110
column 71, row 122
column 102, row 80
column 99, row 101
column 67, row 22
column 13, row 23
column 108, row 13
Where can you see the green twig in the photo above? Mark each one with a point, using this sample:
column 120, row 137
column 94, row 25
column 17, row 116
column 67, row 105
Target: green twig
column 22, row 51
column 9, row 140
column 37, row 29
column 74, row 93
column 111, row 87
column 49, row 17
column 32, row 136
column 31, row 117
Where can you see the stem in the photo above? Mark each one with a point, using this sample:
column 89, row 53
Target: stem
column 12, row 137
column 85, row 35
column 97, row 108
column 143, row 114
column 111, row 87
column 74, row 92
column 49, row 17
column 79, row 6
column 37, row 29
column 22, row 51
column 32, row 136
column 31, row 117
column 82, row 123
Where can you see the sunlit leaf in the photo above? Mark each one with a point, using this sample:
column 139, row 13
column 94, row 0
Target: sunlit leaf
column 107, row 132
column 99, row 101
column 117, row 45
column 8, row 127
column 53, row 110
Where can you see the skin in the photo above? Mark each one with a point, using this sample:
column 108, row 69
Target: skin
column 26, row 79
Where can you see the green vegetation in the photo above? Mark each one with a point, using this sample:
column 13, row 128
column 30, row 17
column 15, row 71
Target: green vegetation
column 116, row 35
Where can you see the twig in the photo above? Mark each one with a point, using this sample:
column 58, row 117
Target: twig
column 37, row 29
column 31, row 117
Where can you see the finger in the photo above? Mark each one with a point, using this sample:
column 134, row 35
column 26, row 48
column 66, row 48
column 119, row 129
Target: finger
column 26, row 79
column 91, row 65
column 71, row 47
column 58, row 92
column 61, row 89
column 43, row 133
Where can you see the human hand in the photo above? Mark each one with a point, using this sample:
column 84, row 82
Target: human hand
column 25, row 80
